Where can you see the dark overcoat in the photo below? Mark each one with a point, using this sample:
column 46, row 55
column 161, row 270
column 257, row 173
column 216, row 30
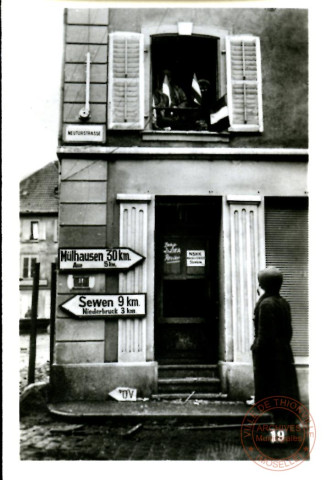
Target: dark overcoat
column 274, row 370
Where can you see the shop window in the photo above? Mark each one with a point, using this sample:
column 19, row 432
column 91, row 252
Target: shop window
column 187, row 89
column 28, row 267
column 34, row 230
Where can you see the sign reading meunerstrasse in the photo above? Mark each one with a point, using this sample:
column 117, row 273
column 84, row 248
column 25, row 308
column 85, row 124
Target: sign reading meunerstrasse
column 98, row 258
column 84, row 133
column 118, row 305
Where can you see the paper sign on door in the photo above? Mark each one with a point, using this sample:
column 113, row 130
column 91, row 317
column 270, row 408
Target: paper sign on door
column 195, row 258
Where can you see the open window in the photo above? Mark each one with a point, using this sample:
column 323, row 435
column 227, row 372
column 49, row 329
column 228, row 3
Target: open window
column 191, row 82
column 184, row 81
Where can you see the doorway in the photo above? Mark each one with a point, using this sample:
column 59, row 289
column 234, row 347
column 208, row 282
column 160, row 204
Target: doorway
column 186, row 279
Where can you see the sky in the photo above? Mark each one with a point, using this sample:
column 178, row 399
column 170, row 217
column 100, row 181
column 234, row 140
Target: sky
column 32, row 76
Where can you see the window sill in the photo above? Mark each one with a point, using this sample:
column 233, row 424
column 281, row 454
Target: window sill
column 186, row 136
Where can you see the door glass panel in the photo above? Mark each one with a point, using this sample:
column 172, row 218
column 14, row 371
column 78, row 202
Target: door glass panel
column 171, row 257
column 182, row 298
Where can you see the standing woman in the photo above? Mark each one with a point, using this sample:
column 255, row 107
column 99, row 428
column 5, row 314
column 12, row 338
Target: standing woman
column 274, row 370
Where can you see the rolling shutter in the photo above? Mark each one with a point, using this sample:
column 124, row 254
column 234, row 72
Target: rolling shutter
column 126, row 65
column 286, row 234
column 244, row 86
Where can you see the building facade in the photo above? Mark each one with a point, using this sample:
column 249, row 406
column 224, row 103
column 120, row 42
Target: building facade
column 184, row 137
column 39, row 202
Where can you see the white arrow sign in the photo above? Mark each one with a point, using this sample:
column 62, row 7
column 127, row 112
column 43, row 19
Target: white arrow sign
column 120, row 258
column 124, row 394
column 102, row 306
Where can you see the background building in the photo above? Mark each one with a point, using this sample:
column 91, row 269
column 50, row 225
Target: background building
column 38, row 239
column 206, row 204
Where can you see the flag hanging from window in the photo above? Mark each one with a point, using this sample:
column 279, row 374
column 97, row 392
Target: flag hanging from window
column 166, row 88
column 219, row 118
column 196, row 92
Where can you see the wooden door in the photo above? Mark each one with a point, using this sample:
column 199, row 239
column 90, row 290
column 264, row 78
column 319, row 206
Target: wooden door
column 186, row 329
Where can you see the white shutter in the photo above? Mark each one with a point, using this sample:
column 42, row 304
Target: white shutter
column 126, row 81
column 244, row 85
column 42, row 229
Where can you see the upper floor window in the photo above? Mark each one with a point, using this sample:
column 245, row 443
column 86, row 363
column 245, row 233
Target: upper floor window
column 28, row 266
column 33, row 230
column 195, row 82
column 184, row 81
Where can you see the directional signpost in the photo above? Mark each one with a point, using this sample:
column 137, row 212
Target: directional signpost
column 119, row 305
column 91, row 259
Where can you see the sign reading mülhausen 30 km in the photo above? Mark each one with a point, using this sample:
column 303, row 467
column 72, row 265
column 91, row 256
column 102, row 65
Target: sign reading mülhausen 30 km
column 98, row 258
column 101, row 305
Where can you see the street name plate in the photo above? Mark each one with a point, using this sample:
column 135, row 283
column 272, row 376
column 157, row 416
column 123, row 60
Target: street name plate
column 84, row 133
column 118, row 305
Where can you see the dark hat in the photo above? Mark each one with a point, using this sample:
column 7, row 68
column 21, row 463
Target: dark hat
column 270, row 279
column 204, row 83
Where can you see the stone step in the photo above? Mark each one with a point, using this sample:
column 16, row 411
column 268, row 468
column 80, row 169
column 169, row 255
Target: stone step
column 189, row 384
column 182, row 371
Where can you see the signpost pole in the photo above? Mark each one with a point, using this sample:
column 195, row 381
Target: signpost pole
column 32, row 339
column 52, row 317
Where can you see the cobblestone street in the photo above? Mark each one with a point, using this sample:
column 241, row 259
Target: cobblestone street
column 49, row 436
column 43, row 438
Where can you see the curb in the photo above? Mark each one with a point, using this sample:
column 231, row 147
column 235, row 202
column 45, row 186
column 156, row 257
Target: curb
column 221, row 412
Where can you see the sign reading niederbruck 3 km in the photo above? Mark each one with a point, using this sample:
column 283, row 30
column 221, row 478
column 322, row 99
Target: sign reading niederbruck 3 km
column 101, row 305
column 98, row 258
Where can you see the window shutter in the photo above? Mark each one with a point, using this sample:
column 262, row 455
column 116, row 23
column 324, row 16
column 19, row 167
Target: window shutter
column 42, row 230
column 244, row 85
column 25, row 267
column 286, row 233
column 34, row 230
column 126, row 80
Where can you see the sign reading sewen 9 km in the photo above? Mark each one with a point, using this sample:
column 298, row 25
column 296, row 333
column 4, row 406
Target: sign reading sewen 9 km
column 98, row 258
column 103, row 305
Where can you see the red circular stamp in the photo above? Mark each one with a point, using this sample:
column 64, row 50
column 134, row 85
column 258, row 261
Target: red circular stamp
column 278, row 433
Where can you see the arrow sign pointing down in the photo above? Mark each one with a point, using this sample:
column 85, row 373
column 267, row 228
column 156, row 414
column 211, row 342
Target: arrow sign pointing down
column 124, row 394
column 118, row 305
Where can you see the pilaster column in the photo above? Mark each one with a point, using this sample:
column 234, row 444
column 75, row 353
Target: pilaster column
column 246, row 258
column 133, row 234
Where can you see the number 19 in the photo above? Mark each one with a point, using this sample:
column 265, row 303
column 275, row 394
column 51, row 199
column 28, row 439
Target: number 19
column 277, row 436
